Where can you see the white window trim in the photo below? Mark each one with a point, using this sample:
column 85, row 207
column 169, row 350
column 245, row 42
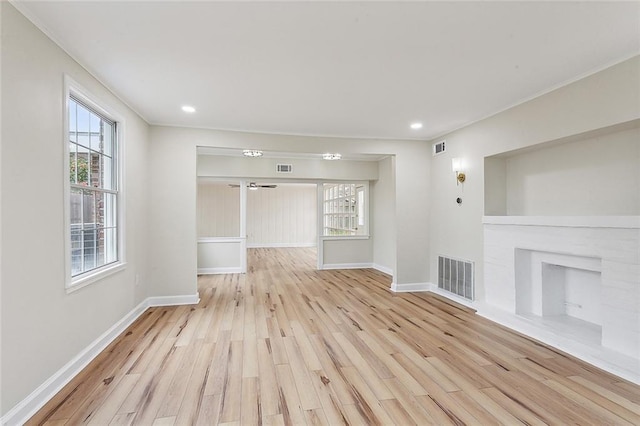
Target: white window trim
column 71, row 87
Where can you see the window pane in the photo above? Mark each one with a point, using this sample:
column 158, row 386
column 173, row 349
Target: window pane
column 93, row 213
column 110, row 212
column 72, row 120
column 76, row 250
column 82, row 166
column 95, row 132
column 83, row 126
column 73, row 163
column 88, row 209
column 111, row 243
column 107, row 181
column 107, row 143
column 76, row 208
column 100, row 247
column 89, row 240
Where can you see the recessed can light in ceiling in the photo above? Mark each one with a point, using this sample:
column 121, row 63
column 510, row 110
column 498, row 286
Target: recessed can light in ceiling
column 188, row 108
column 416, row 126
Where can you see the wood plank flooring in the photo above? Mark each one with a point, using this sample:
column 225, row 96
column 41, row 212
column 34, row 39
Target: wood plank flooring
column 286, row 344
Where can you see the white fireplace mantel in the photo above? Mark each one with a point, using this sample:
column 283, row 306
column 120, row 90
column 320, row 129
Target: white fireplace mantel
column 614, row 241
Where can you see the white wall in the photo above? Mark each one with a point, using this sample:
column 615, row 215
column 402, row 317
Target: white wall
column 285, row 216
column 607, row 98
column 383, row 216
column 594, row 176
column 173, row 163
column 218, row 209
column 43, row 327
column 303, row 168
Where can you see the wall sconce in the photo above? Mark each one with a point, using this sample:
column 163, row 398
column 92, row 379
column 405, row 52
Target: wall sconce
column 456, row 165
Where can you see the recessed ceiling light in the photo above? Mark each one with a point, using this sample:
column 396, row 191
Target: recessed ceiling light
column 188, row 108
column 252, row 153
column 416, row 126
column 329, row 156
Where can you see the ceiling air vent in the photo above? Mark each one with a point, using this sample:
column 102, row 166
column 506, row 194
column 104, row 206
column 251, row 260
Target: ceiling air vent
column 284, row 168
column 439, row 147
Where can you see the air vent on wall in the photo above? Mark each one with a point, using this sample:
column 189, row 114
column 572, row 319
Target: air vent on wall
column 284, row 168
column 439, row 147
column 456, row 276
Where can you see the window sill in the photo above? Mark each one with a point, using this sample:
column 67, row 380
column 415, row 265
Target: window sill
column 97, row 275
column 344, row 237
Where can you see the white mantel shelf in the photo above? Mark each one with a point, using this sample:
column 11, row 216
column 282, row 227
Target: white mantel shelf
column 624, row 222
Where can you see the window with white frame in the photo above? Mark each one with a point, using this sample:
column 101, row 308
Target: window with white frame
column 93, row 189
column 345, row 209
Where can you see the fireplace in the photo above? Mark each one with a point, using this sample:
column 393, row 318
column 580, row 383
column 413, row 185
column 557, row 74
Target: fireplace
column 567, row 280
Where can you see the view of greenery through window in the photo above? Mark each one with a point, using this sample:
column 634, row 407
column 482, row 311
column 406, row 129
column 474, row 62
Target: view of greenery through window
column 93, row 195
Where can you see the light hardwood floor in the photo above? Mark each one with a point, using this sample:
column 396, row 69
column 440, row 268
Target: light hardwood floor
column 286, row 344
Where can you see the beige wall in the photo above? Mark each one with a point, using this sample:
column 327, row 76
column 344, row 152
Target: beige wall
column 43, row 327
column 285, row 216
column 218, row 209
column 604, row 99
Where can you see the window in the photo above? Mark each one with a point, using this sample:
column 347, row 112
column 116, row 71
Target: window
column 93, row 190
column 344, row 209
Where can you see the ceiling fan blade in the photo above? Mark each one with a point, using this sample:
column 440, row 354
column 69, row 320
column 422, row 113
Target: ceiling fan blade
column 233, row 185
column 268, row 186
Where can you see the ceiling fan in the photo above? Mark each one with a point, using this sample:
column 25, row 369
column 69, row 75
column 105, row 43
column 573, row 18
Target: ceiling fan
column 253, row 186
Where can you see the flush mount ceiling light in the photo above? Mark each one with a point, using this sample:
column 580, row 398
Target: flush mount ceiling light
column 329, row 156
column 416, row 126
column 188, row 108
column 252, row 153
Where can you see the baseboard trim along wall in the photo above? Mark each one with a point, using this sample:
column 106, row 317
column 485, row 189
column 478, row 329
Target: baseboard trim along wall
column 226, row 270
column 410, row 287
column 347, row 266
column 281, row 245
column 26, row 408
column 383, row 269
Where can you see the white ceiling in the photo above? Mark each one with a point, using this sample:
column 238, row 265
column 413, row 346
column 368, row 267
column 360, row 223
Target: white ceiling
column 355, row 69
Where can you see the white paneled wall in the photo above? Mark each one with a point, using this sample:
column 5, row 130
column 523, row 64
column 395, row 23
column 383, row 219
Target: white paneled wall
column 218, row 212
column 285, row 216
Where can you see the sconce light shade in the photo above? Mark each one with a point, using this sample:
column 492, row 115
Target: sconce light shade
column 456, row 164
column 457, row 167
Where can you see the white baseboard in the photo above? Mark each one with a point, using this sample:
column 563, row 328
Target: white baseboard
column 347, row 266
column 383, row 269
column 281, row 245
column 26, row 408
column 410, row 287
column 187, row 299
column 226, row 270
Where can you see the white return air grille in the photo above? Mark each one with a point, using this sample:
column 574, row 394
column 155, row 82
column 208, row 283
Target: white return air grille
column 456, row 276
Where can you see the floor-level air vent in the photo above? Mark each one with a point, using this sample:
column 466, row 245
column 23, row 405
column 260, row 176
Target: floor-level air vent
column 456, row 276
column 284, row 168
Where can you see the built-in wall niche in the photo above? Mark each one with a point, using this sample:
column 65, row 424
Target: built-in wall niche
column 591, row 174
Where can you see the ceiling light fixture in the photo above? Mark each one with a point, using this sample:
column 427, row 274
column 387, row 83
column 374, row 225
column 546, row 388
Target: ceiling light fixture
column 329, row 156
column 252, row 153
column 416, row 126
column 252, row 186
column 188, row 108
